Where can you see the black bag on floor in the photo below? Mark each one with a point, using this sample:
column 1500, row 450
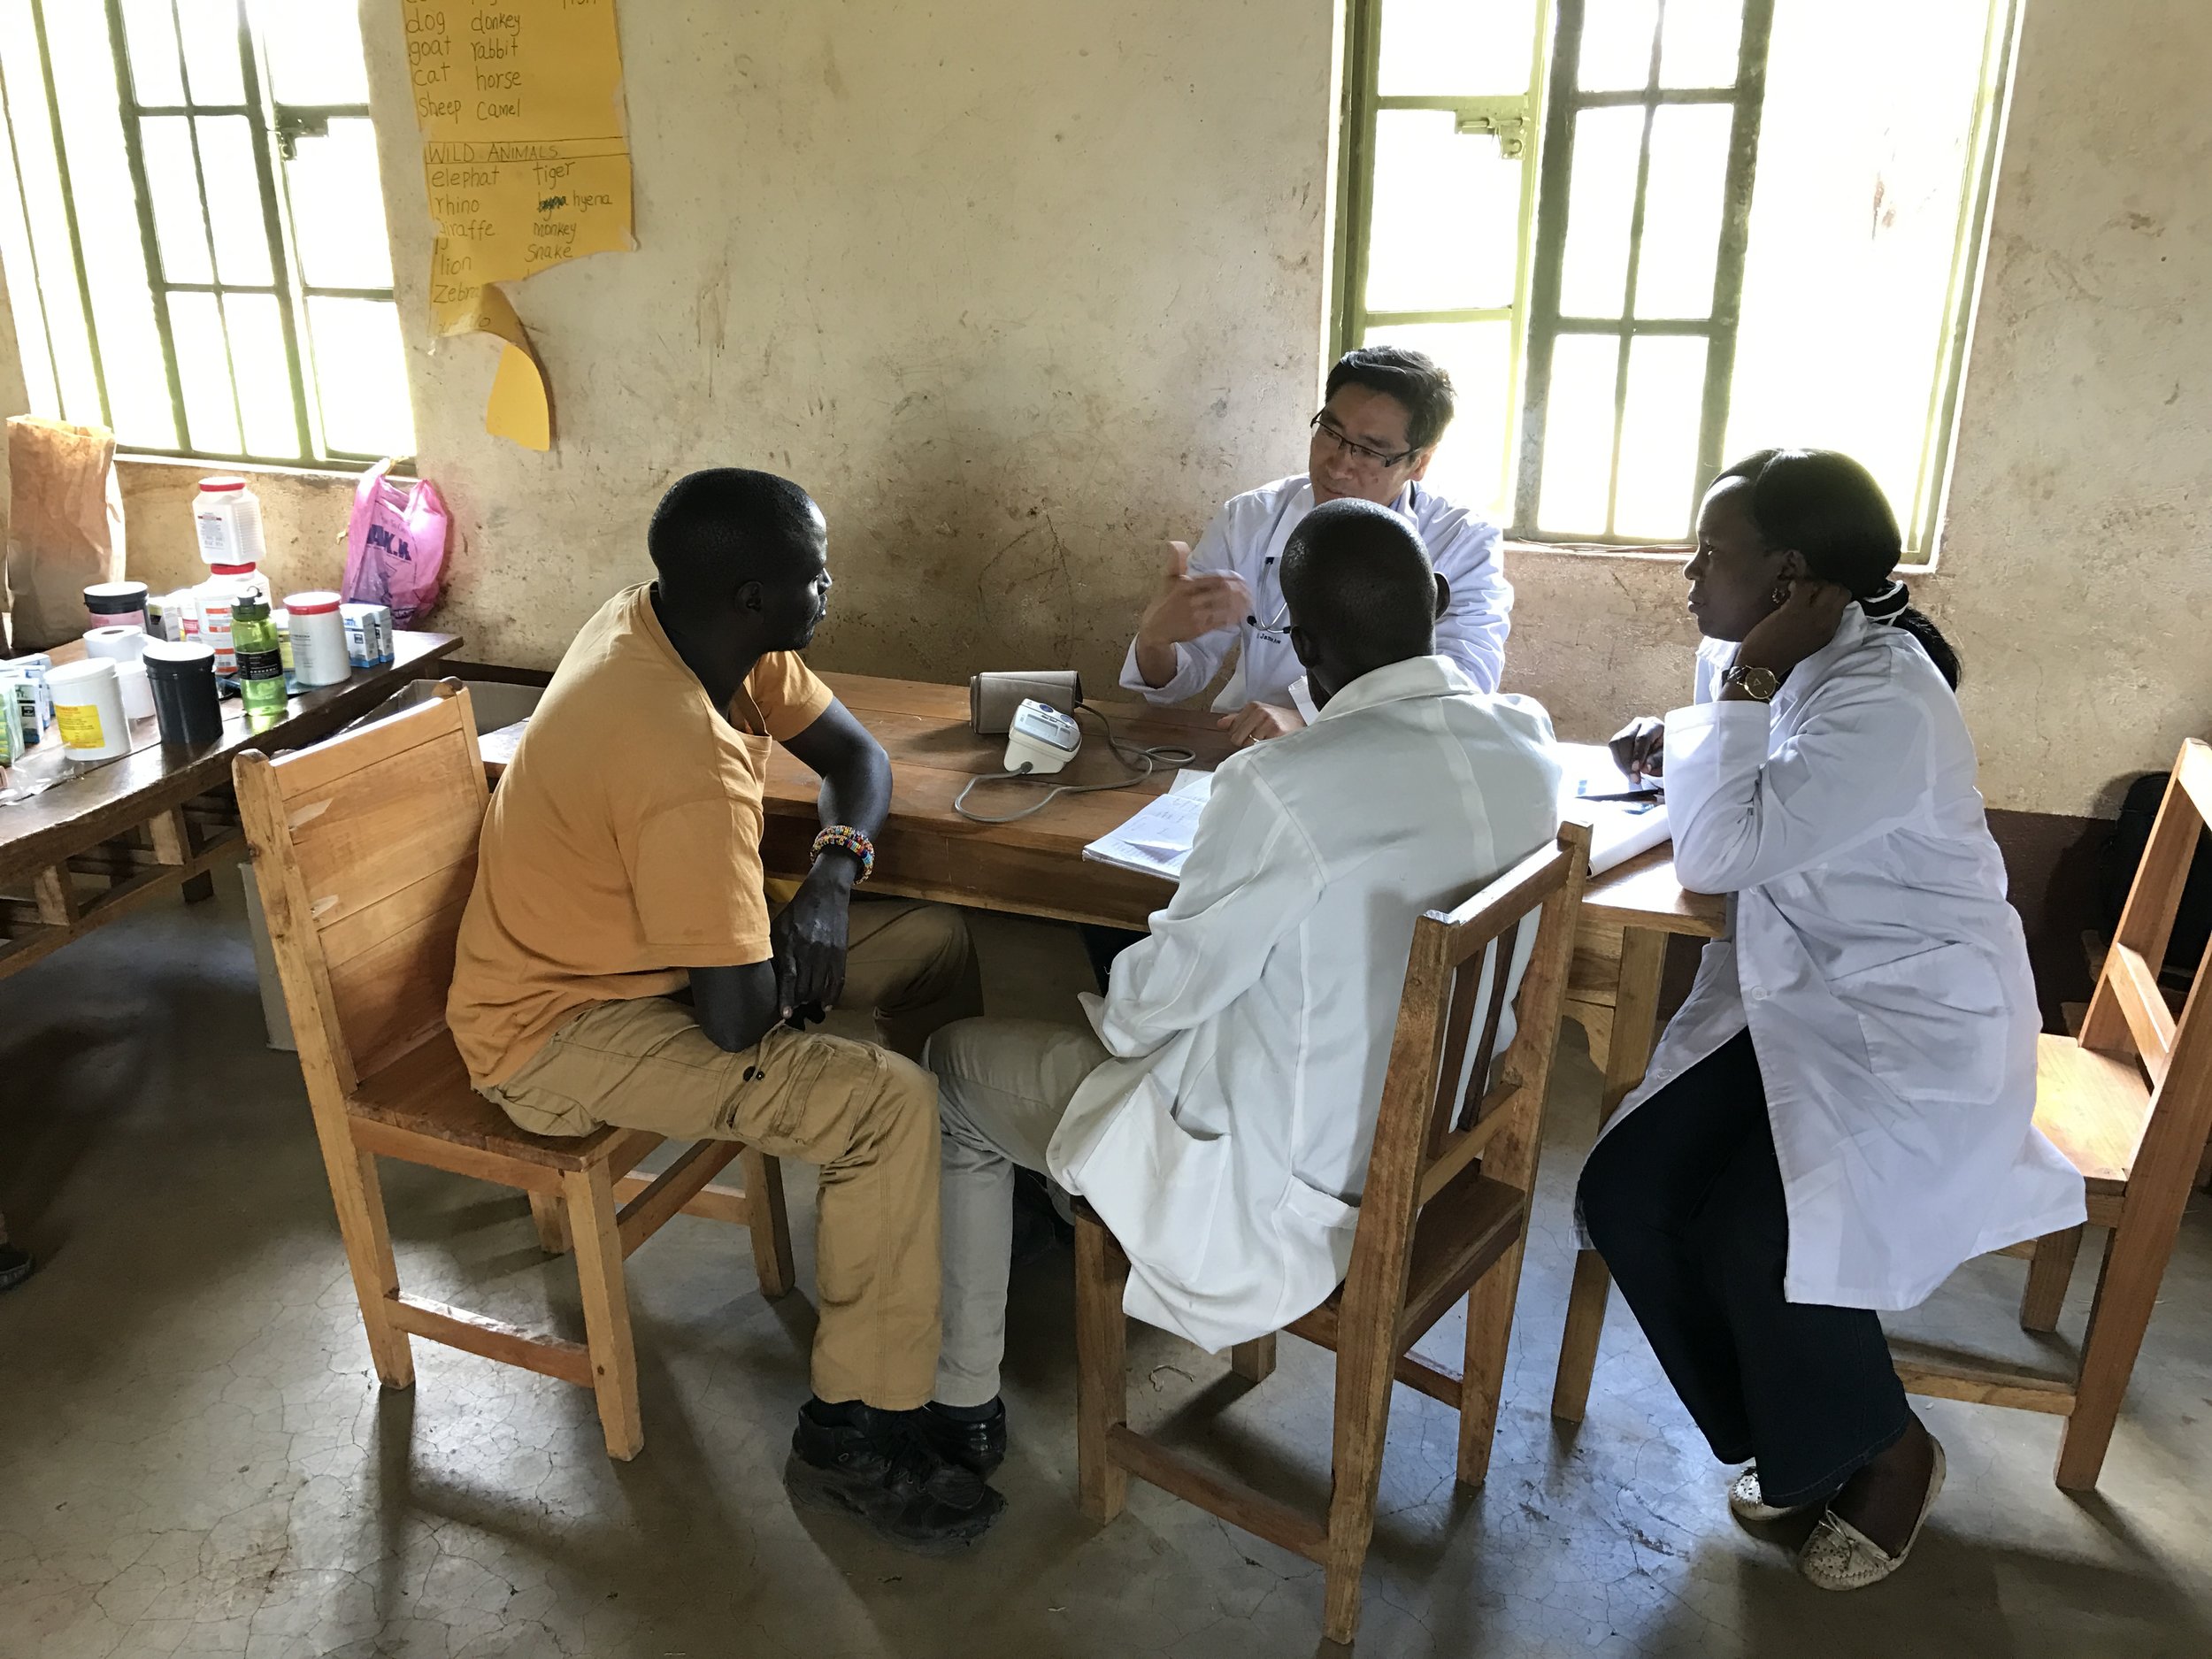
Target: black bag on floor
column 2123, row 853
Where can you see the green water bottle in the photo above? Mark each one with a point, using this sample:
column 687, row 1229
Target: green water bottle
column 260, row 662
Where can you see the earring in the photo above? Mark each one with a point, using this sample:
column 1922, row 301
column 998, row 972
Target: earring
column 1781, row 594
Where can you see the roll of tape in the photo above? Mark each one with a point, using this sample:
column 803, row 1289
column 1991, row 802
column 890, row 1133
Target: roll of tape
column 122, row 643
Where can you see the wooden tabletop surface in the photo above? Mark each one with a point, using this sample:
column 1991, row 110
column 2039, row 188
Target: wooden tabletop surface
column 111, row 797
column 1035, row 866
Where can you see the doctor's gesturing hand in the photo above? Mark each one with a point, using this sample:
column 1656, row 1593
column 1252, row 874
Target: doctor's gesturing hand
column 1184, row 607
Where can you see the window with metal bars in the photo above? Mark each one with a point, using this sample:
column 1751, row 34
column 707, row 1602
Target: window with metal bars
column 1647, row 235
column 195, row 244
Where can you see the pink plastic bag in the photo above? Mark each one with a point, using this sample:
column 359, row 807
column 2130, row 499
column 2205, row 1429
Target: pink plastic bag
column 395, row 545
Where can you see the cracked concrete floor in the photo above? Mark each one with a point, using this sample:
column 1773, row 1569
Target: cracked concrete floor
column 195, row 1458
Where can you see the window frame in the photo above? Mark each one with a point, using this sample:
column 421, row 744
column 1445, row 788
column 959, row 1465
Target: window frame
column 1361, row 103
column 1717, row 327
column 1545, row 180
column 274, row 129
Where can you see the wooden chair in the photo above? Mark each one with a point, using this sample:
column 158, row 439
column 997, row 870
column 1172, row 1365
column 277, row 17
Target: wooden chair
column 1443, row 1215
column 2130, row 1103
column 364, row 849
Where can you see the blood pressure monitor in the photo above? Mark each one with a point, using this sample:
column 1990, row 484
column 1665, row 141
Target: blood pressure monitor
column 1042, row 739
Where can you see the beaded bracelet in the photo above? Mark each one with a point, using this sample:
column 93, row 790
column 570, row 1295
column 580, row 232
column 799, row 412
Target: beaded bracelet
column 845, row 838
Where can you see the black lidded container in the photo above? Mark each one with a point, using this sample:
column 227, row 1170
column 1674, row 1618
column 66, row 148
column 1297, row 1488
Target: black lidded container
column 186, row 706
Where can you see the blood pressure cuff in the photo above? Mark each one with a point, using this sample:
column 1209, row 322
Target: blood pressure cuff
column 993, row 698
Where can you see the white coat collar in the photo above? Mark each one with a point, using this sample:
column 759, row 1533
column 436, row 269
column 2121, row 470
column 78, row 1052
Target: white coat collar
column 1415, row 677
column 1405, row 503
column 1851, row 631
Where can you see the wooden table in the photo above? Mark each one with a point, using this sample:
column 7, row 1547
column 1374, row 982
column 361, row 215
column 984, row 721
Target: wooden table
column 1628, row 915
column 101, row 844
column 1036, row 867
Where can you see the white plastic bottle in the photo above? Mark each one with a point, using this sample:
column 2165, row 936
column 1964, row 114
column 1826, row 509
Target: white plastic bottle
column 213, row 598
column 227, row 516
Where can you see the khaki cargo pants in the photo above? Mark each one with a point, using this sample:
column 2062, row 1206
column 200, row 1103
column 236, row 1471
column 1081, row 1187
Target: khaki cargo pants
column 867, row 1117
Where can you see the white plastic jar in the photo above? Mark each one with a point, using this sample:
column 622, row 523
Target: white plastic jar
column 89, row 708
column 227, row 516
column 319, row 639
column 213, row 599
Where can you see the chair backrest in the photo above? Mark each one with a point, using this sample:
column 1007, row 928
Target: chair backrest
column 2129, row 1012
column 1451, row 1105
column 364, row 849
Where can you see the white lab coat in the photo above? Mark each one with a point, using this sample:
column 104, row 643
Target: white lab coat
column 1226, row 1141
column 1871, row 952
column 1247, row 537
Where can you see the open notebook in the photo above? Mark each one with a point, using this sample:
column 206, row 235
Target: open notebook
column 1157, row 840
column 1618, row 829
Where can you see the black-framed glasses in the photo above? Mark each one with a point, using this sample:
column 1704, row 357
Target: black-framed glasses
column 1360, row 451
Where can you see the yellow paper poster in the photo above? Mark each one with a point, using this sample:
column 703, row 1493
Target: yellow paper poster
column 520, row 107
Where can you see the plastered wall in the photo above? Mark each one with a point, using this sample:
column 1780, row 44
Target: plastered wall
column 1018, row 291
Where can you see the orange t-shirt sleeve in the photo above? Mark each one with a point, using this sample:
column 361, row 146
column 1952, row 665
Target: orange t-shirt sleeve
column 788, row 695
column 695, row 878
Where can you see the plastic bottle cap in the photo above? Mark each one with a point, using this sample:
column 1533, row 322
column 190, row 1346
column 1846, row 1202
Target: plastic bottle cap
column 219, row 485
column 246, row 569
column 311, row 604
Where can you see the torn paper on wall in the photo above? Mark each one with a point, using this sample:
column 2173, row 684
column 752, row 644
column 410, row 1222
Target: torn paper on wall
column 520, row 107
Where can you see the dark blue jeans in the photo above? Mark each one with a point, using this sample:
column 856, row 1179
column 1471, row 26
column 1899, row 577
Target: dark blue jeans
column 1683, row 1200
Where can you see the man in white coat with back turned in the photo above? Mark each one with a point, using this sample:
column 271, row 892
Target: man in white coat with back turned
column 1218, row 1107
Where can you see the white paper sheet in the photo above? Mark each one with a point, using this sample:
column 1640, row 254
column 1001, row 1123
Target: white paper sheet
column 1619, row 830
column 1158, row 839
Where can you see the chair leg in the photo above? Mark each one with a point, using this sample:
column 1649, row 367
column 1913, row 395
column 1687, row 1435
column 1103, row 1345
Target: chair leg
column 552, row 1225
column 2135, row 1260
column 1101, row 1367
column 2050, row 1271
column 1362, row 1421
column 1254, row 1361
column 1489, row 1335
column 589, row 1197
column 771, row 1222
column 358, row 1197
column 1579, row 1343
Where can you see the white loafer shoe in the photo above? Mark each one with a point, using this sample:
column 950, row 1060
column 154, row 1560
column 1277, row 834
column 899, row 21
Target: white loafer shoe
column 1838, row 1556
column 1746, row 1502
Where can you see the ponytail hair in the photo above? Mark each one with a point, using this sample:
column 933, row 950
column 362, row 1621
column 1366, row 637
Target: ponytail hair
column 1828, row 509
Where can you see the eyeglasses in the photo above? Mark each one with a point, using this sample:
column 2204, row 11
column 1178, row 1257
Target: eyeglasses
column 1360, row 451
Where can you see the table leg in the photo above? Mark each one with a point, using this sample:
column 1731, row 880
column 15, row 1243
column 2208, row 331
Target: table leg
column 1635, row 1030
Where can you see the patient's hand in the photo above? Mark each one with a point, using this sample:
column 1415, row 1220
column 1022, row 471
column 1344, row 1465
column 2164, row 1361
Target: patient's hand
column 1256, row 722
column 808, row 938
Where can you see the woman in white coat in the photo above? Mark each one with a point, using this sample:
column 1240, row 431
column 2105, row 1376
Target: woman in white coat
column 1842, row 1113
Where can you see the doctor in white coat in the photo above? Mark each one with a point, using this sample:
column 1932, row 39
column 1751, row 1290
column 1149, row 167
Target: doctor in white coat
column 1385, row 410
column 1842, row 1112
column 1218, row 1106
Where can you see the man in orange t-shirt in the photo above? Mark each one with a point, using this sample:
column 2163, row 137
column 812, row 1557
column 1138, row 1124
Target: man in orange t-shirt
column 618, row 962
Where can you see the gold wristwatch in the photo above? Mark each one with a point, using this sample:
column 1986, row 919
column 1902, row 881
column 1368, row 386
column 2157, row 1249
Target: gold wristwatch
column 1759, row 684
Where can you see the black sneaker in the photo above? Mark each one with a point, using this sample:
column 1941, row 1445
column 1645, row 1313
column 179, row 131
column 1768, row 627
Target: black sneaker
column 972, row 1441
column 879, row 1467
